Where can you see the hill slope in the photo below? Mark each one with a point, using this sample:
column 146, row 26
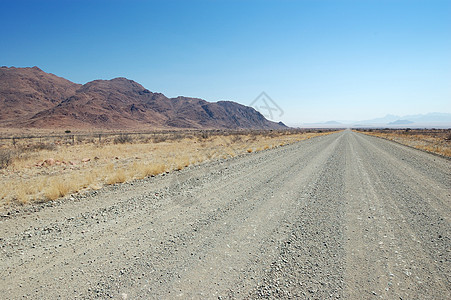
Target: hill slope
column 26, row 91
column 53, row 102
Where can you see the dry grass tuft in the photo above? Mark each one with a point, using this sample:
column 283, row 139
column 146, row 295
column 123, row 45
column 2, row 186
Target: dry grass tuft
column 56, row 189
column 117, row 176
column 22, row 197
column 151, row 170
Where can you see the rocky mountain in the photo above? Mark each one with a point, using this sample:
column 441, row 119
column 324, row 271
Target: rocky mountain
column 26, row 91
column 30, row 97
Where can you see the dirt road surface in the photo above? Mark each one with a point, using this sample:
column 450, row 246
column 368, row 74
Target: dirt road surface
column 339, row 216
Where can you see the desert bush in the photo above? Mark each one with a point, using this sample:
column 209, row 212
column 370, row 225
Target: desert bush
column 123, row 139
column 159, row 138
column 5, row 158
column 176, row 136
column 236, row 139
column 252, row 138
column 204, row 135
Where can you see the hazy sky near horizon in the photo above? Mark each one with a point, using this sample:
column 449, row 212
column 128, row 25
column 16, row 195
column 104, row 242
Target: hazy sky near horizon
column 318, row 60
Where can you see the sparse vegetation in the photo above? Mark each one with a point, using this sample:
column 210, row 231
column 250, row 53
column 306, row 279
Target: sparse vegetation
column 5, row 158
column 42, row 169
column 116, row 176
column 147, row 170
column 58, row 188
column 123, row 138
column 432, row 140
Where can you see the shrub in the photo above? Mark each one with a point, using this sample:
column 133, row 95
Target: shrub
column 159, row 138
column 176, row 136
column 122, row 139
column 236, row 139
column 204, row 135
column 5, row 158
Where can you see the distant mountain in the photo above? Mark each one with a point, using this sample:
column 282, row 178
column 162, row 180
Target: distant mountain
column 328, row 124
column 30, row 97
column 384, row 120
column 401, row 122
column 420, row 118
column 428, row 118
column 332, row 123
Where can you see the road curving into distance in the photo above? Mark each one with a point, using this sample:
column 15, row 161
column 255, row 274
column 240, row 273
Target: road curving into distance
column 339, row 216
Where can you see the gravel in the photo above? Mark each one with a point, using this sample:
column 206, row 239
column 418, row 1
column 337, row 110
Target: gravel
column 338, row 216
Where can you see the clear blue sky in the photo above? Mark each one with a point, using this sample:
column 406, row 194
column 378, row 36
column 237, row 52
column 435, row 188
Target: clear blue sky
column 319, row 60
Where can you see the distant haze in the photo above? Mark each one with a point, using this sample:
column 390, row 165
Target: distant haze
column 318, row 61
column 429, row 120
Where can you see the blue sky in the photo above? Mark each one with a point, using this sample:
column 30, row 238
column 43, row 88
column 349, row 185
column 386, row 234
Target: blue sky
column 318, row 60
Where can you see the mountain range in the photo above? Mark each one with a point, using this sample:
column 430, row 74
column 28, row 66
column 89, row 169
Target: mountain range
column 32, row 98
column 433, row 117
column 429, row 120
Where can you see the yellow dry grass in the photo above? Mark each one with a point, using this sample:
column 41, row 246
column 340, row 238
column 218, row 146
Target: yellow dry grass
column 431, row 141
column 85, row 166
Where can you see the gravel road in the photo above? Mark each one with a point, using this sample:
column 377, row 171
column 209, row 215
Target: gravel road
column 339, row 216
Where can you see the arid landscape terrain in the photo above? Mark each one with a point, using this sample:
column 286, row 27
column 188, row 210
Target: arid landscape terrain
column 436, row 141
column 225, row 149
column 49, row 167
column 341, row 215
column 109, row 190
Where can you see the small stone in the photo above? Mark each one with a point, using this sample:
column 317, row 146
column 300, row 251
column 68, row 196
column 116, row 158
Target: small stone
column 49, row 162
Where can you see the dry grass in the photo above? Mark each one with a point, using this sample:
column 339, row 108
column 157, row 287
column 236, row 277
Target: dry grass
column 58, row 188
column 147, row 170
column 435, row 140
column 52, row 170
column 116, row 176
